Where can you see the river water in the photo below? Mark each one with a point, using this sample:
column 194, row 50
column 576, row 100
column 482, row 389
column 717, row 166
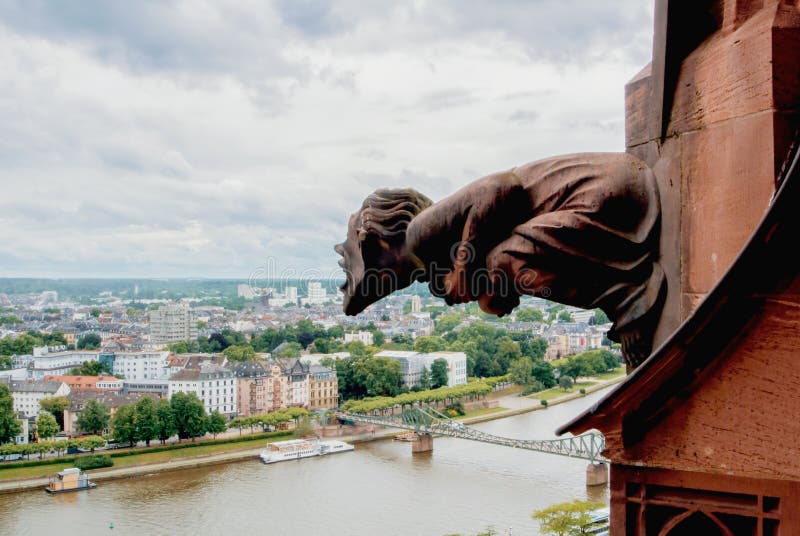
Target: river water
column 379, row 489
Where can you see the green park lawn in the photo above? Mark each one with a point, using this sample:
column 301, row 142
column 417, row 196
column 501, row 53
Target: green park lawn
column 555, row 392
column 619, row 371
column 479, row 412
column 9, row 472
column 509, row 390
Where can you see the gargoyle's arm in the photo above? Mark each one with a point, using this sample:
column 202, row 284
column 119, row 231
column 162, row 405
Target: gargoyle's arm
column 470, row 222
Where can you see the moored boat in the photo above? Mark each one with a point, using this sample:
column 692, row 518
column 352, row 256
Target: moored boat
column 294, row 449
column 72, row 479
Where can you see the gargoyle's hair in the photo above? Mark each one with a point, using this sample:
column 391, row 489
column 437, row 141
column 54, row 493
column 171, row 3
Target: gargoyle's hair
column 387, row 212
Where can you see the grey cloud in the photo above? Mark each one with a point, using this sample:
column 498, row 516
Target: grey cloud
column 313, row 18
column 143, row 36
column 371, row 153
column 130, row 143
column 441, row 100
column 524, row 116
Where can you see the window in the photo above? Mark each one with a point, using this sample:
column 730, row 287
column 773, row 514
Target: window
column 670, row 511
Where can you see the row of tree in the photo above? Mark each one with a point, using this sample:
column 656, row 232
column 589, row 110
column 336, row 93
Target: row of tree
column 471, row 390
column 589, row 363
column 59, row 447
column 273, row 419
column 148, row 419
column 297, row 337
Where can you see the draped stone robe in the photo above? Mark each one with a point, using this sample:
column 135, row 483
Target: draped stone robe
column 580, row 229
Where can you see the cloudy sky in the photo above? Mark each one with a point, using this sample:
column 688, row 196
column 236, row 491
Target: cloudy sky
column 218, row 139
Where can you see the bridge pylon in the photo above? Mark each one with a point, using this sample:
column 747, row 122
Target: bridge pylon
column 422, row 443
column 597, row 474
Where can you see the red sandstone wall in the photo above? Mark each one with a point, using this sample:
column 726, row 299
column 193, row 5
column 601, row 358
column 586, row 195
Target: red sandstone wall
column 735, row 107
column 736, row 423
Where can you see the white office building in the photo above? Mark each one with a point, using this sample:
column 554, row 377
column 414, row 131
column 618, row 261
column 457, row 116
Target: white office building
column 413, row 362
column 362, row 336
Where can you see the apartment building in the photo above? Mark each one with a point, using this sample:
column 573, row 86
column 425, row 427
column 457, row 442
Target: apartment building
column 173, row 323
column 213, row 384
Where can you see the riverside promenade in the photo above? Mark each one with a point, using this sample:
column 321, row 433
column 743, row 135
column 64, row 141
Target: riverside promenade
column 513, row 404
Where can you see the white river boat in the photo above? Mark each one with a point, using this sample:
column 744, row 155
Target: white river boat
column 295, row 449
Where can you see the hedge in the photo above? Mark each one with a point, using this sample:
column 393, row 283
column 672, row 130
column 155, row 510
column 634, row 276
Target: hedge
column 93, row 461
column 144, row 450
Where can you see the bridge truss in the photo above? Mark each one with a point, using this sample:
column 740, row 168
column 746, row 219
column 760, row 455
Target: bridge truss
column 427, row 420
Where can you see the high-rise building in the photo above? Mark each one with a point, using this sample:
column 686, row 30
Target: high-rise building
column 172, row 323
column 291, row 293
column 245, row 291
column 316, row 294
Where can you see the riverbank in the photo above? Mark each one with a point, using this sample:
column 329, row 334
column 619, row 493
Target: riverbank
column 513, row 404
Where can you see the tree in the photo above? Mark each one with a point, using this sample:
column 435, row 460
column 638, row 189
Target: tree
column 20, row 345
column 424, row 378
column 378, row 338
column 147, row 425
column 55, row 405
column 216, row 423
column 322, row 346
column 565, row 519
column 240, row 352
column 93, row 418
column 564, row 316
column 90, row 368
column 448, row 322
column 507, row 351
column 292, row 349
column 9, row 427
column 46, row 426
column 486, row 356
column 565, row 382
column 95, row 312
column 529, row 315
column 521, row 370
column 429, row 343
column 123, row 425
column 600, row 317
column 535, row 348
column 304, row 428
column 10, row 319
column 91, row 442
column 184, row 347
column 90, row 341
column 190, row 415
column 379, row 376
column 543, row 373
column 439, row 373
column 166, row 421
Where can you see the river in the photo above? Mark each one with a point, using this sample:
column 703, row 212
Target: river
column 379, row 489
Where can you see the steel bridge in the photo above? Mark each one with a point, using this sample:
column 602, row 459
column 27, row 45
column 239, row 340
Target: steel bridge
column 427, row 420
